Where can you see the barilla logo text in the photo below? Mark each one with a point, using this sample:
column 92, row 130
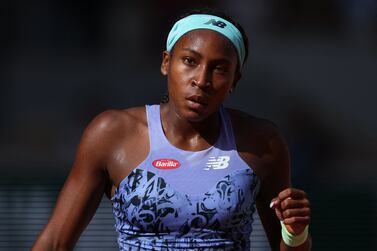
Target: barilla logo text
column 166, row 163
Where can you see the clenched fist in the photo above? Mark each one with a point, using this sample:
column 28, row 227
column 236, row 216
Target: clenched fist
column 292, row 207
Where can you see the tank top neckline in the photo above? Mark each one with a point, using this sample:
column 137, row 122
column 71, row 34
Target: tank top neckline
column 220, row 140
column 153, row 115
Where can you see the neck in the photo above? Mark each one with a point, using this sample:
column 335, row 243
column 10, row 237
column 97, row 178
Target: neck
column 189, row 135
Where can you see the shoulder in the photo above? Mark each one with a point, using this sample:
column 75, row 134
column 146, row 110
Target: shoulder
column 109, row 129
column 117, row 122
column 260, row 143
column 252, row 128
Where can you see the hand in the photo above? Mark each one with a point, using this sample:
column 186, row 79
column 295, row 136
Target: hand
column 293, row 208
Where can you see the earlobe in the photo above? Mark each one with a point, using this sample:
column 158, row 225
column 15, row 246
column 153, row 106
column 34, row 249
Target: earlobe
column 236, row 79
column 165, row 63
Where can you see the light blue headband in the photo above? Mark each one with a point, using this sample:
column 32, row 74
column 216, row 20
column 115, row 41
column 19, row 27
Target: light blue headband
column 204, row 21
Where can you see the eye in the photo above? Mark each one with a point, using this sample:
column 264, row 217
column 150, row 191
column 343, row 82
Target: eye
column 189, row 61
column 221, row 69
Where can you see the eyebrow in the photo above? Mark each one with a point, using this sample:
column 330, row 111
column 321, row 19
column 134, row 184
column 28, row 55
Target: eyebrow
column 192, row 51
column 220, row 60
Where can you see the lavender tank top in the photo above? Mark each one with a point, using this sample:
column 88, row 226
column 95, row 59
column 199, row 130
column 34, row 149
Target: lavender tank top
column 184, row 200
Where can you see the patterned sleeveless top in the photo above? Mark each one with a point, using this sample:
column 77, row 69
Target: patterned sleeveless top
column 183, row 200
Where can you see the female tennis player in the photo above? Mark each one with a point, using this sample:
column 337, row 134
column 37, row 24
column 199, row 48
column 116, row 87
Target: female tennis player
column 186, row 174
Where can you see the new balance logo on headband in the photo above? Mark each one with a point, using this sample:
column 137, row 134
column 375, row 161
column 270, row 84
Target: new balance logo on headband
column 210, row 22
column 220, row 162
column 219, row 24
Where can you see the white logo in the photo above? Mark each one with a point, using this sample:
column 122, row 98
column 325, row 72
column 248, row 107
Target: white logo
column 220, row 162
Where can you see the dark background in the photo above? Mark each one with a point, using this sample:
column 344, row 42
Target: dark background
column 312, row 70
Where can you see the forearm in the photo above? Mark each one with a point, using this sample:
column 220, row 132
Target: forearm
column 47, row 241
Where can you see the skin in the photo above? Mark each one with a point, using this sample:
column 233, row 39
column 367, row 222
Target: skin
column 202, row 70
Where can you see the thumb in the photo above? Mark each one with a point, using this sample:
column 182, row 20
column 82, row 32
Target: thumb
column 275, row 204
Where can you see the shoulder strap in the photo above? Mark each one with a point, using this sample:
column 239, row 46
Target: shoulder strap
column 227, row 140
column 156, row 135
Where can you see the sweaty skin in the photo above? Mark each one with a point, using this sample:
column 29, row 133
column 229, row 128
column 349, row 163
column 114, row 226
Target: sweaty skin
column 201, row 70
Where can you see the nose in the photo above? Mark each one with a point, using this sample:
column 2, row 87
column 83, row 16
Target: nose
column 202, row 77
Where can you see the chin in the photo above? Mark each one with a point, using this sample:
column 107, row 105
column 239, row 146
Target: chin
column 193, row 114
column 196, row 115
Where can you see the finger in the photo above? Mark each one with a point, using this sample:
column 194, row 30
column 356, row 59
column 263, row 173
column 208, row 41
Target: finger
column 291, row 203
column 303, row 220
column 274, row 202
column 292, row 193
column 296, row 212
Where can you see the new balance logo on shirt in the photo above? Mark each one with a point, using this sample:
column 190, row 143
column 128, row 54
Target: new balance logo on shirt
column 220, row 162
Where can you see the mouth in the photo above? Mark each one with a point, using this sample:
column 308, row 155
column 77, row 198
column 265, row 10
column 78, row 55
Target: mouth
column 197, row 99
column 197, row 102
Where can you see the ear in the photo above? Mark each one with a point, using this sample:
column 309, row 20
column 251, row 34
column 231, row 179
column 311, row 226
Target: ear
column 165, row 63
column 237, row 77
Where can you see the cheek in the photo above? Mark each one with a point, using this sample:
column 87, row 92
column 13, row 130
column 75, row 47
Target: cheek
column 178, row 78
column 175, row 84
column 222, row 84
column 181, row 72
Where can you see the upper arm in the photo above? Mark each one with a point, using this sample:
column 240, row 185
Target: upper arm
column 264, row 149
column 83, row 189
column 275, row 178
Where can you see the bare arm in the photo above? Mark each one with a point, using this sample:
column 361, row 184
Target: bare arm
column 291, row 205
column 83, row 189
column 262, row 147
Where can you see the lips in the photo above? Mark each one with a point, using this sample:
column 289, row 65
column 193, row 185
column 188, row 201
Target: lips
column 196, row 102
column 197, row 99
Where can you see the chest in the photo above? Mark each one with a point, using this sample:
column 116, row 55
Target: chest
column 146, row 202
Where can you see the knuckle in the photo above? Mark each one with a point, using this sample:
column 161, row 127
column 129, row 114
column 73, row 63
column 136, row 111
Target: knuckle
column 308, row 211
column 306, row 219
column 290, row 192
column 286, row 192
column 304, row 194
column 287, row 214
column 281, row 194
column 295, row 219
column 307, row 203
column 284, row 204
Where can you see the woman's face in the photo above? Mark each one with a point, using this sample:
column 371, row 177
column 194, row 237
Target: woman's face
column 201, row 71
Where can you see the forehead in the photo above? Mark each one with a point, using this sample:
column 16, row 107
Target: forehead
column 206, row 41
